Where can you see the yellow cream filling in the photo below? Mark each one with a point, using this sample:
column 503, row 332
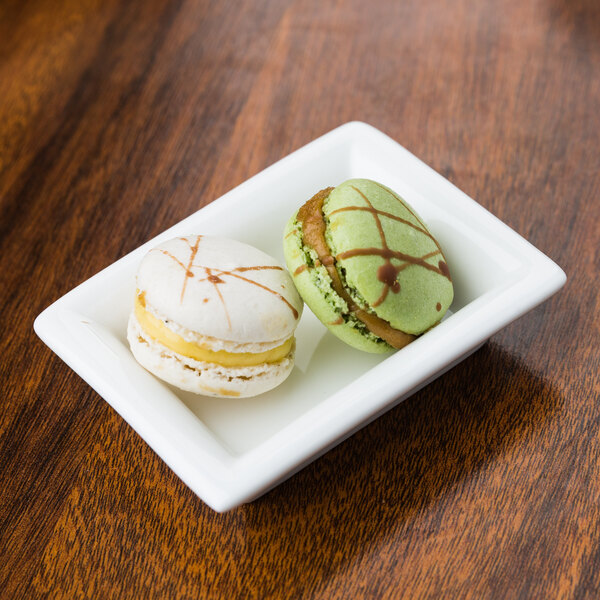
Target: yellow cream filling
column 157, row 330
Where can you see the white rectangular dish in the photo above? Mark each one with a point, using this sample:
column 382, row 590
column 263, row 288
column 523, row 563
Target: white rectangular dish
column 230, row 451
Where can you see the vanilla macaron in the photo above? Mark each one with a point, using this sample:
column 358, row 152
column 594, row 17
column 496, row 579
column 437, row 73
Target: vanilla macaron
column 214, row 316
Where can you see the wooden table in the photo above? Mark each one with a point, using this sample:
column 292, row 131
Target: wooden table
column 119, row 119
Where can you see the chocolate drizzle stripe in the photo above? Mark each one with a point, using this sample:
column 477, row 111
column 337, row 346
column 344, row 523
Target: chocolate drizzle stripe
column 430, row 254
column 383, row 213
column 188, row 271
column 424, row 257
column 386, row 253
column 215, row 283
column 264, row 287
column 166, row 253
column 404, row 204
column 381, row 299
column 443, row 264
column 386, row 273
column 260, row 268
column 260, row 285
column 372, row 210
column 241, row 269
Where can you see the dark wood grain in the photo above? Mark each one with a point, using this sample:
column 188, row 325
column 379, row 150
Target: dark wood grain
column 119, row 119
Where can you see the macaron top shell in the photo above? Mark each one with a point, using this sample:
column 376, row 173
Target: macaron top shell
column 388, row 258
column 209, row 285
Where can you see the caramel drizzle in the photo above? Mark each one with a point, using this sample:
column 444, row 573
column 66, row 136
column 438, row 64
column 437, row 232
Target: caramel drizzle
column 388, row 272
column 215, row 280
column 386, row 288
column 383, row 213
column 188, row 272
column 188, row 269
column 301, row 269
column 408, row 208
column 233, row 273
column 214, row 276
column 443, row 265
column 387, row 254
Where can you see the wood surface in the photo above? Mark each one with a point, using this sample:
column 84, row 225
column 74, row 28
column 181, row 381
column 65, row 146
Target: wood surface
column 117, row 120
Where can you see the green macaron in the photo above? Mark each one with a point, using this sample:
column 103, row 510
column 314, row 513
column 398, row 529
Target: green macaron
column 367, row 266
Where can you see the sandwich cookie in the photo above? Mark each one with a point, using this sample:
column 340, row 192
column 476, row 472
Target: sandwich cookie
column 367, row 266
column 214, row 316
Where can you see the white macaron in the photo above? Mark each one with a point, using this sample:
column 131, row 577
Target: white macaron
column 214, row 316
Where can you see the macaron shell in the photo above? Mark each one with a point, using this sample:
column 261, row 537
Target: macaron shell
column 314, row 286
column 211, row 285
column 365, row 216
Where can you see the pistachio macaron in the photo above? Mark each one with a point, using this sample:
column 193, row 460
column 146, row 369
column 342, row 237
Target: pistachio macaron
column 214, row 316
column 366, row 264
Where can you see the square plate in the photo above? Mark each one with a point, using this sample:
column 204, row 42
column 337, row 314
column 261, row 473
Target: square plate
column 230, row 451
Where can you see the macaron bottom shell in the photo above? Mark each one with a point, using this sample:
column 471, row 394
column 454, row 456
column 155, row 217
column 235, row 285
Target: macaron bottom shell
column 209, row 379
